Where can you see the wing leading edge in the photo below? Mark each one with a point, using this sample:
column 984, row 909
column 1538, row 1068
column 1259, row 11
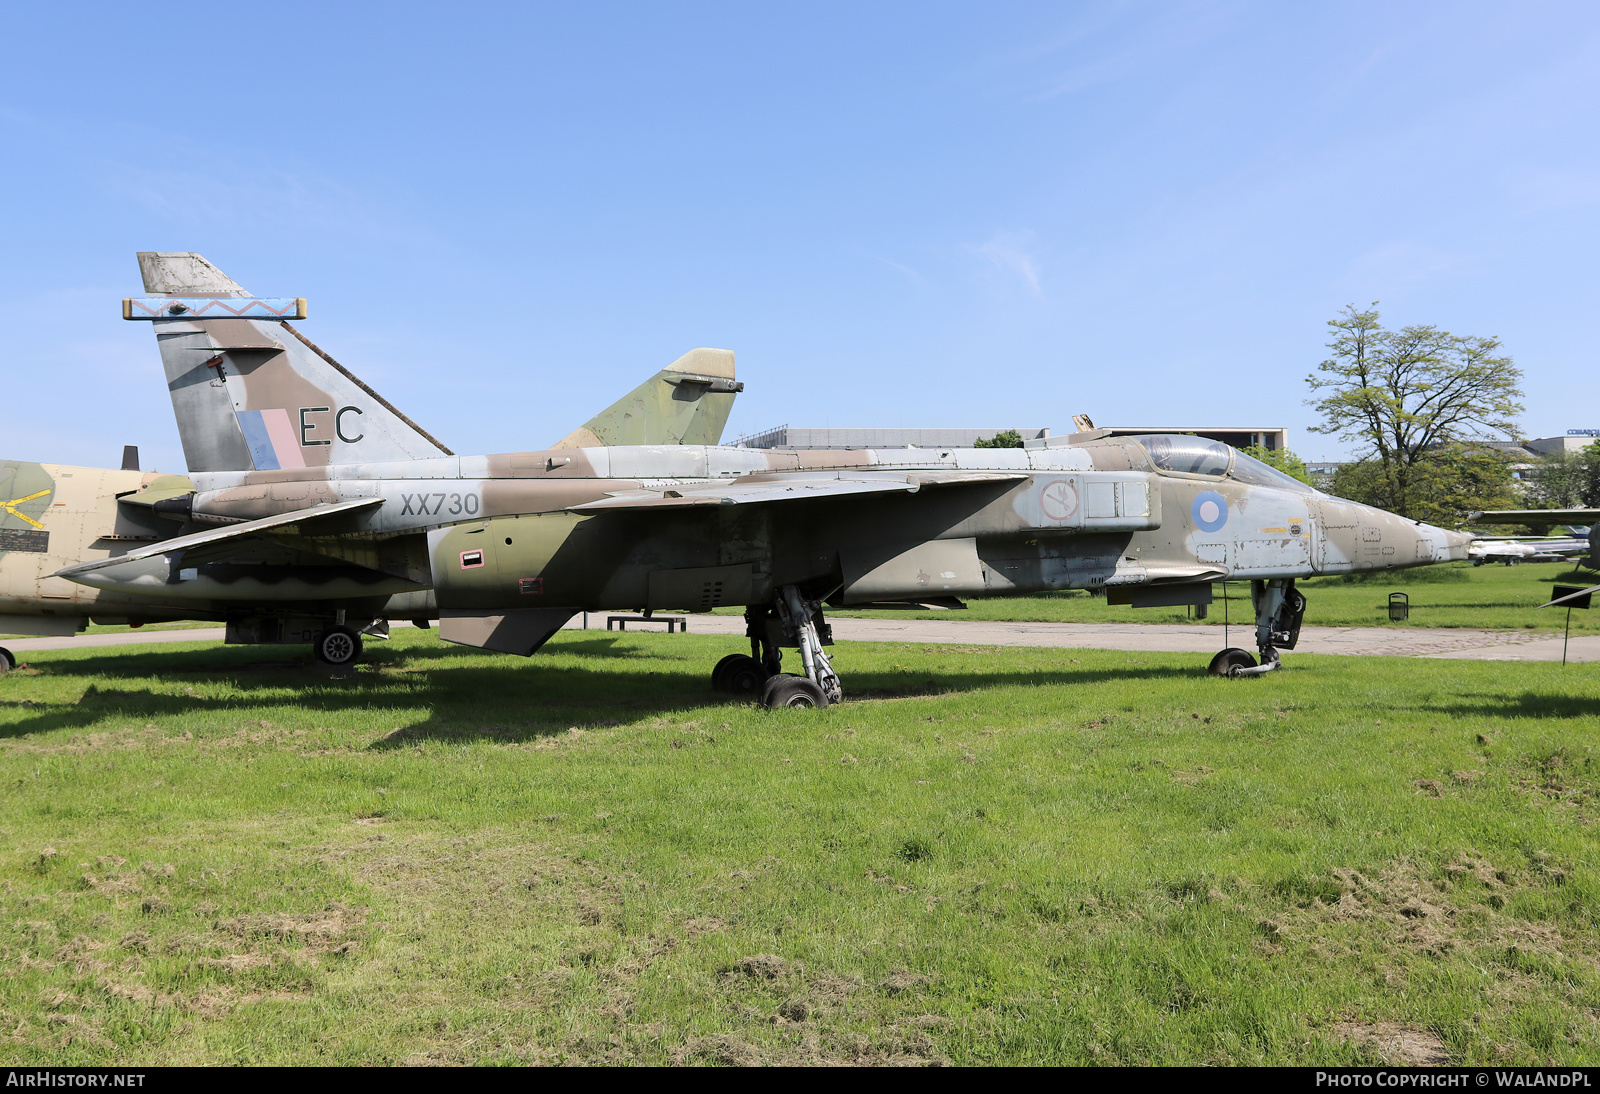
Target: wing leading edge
column 767, row 490
column 300, row 517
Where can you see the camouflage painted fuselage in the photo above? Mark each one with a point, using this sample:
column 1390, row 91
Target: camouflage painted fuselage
column 694, row 527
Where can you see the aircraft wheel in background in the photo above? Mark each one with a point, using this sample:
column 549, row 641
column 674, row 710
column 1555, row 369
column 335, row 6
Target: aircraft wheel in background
column 1224, row 663
column 718, row 674
column 337, row 646
column 793, row 692
column 740, row 675
column 7, row 661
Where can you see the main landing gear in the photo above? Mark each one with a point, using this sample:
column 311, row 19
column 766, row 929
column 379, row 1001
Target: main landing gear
column 791, row 620
column 7, row 661
column 1279, row 611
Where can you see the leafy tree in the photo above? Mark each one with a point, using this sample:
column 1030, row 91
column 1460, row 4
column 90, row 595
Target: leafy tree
column 1589, row 475
column 1460, row 478
column 1283, row 460
column 1006, row 438
column 1556, row 482
column 1403, row 394
column 1446, row 483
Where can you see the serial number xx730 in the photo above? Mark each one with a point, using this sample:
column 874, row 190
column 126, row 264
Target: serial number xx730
column 454, row 505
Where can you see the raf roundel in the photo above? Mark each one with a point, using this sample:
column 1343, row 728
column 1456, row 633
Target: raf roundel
column 1210, row 511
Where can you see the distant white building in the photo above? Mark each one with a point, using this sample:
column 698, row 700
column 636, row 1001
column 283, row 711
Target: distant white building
column 1525, row 455
column 1575, row 440
column 786, row 436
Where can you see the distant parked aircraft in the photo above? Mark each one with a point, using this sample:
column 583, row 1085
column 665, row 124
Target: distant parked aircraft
column 1541, row 521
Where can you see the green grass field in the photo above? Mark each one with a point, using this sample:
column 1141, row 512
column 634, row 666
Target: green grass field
column 1452, row 595
column 226, row 855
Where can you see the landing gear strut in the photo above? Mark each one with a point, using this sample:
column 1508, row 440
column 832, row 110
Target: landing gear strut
column 1279, row 611
column 791, row 620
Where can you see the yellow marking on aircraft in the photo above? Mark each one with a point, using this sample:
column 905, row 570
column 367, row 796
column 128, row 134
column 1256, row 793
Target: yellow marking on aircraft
column 11, row 507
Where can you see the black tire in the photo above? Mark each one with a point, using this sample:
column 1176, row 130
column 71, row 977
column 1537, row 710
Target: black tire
column 337, row 646
column 719, row 674
column 1230, row 660
column 7, row 661
column 744, row 677
column 789, row 692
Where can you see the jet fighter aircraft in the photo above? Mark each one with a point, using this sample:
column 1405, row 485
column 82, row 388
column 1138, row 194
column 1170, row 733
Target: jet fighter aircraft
column 297, row 464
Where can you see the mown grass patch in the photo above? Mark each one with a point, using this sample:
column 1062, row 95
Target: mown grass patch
column 234, row 856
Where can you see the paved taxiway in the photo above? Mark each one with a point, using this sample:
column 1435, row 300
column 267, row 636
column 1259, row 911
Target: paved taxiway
column 1442, row 642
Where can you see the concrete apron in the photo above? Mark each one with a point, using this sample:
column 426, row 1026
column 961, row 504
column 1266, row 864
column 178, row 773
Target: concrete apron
column 1442, row 642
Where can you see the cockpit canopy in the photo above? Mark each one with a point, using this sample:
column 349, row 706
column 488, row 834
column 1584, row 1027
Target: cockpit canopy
column 1180, row 454
column 1186, row 455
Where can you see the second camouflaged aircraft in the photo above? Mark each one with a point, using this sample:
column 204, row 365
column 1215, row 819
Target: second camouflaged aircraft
column 297, row 465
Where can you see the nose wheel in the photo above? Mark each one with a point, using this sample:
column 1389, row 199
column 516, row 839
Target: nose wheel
column 1230, row 661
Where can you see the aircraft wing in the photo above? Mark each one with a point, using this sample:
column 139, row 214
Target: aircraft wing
column 301, row 517
column 760, row 490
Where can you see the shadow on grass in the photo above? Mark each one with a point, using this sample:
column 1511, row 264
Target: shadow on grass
column 509, row 701
column 1527, row 705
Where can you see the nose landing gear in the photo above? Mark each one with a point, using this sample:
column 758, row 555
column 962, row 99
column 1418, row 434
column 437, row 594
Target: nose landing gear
column 1279, row 612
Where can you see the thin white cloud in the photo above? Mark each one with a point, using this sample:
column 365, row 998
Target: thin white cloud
column 1009, row 252
column 911, row 274
column 1077, row 59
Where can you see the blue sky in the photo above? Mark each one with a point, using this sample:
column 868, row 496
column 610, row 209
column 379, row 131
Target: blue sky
column 504, row 216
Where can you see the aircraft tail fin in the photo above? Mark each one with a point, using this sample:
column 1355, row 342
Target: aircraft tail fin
column 688, row 402
column 250, row 392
